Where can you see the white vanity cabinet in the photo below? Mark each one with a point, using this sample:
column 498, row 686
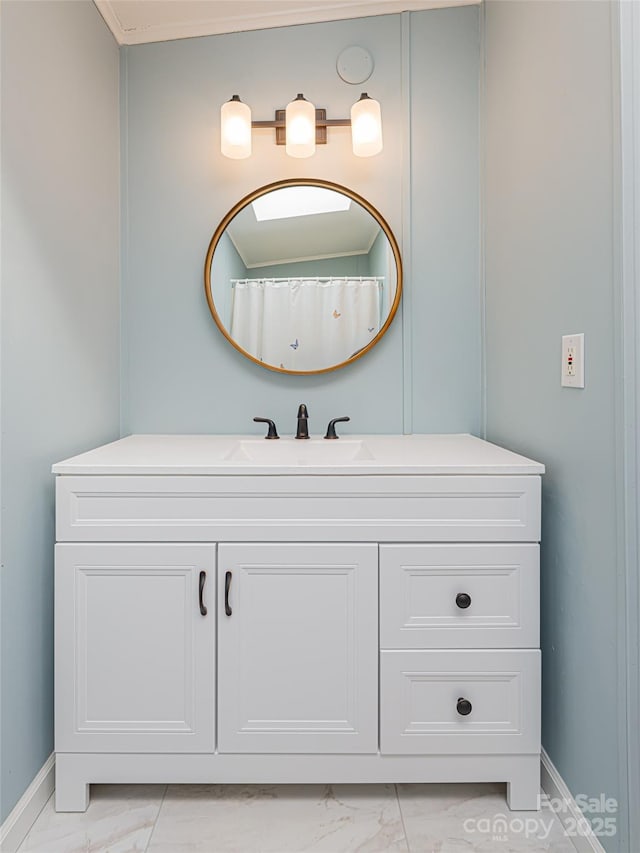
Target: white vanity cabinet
column 230, row 611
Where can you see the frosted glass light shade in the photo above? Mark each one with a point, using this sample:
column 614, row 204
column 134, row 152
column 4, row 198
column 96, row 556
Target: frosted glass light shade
column 235, row 129
column 300, row 119
column 366, row 127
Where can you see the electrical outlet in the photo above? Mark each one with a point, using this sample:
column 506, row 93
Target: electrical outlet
column 572, row 375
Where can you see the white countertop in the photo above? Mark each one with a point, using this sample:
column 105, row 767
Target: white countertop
column 231, row 455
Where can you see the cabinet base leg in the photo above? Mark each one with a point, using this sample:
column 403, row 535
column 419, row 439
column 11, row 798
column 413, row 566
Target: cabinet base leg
column 523, row 789
column 72, row 793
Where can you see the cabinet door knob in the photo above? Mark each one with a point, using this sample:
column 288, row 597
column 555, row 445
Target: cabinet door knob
column 227, row 589
column 203, row 609
column 463, row 600
column 464, row 707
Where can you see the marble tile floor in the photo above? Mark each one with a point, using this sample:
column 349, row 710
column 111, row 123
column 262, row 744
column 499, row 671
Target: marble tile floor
column 470, row 818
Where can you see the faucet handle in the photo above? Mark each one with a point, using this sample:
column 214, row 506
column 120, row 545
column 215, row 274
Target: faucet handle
column 331, row 429
column 273, row 432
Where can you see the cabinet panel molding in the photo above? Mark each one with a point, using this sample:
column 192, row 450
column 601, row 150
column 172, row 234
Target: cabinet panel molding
column 298, row 508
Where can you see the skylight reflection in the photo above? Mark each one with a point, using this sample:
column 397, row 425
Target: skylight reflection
column 299, row 201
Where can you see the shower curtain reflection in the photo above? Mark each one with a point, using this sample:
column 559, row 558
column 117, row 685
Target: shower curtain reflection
column 304, row 323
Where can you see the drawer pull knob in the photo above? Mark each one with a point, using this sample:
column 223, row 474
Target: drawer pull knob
column 463, row 600
column 203, row 607
column 464, row 707
column 227, row 589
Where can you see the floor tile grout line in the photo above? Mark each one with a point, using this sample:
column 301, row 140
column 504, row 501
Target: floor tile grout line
column 404, row 828
column 153, row 828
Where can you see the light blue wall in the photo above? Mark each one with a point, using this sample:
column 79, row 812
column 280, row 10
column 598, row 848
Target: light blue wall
column 378, row 262
column 444, row 223
column 179, row 374
column 59, row 356
column 227, row 265
column 550, row 259
column 378, row 257
column 347, row 265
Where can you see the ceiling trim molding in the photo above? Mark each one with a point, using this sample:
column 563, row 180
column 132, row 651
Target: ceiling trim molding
column 111, row 19
column 305, row 13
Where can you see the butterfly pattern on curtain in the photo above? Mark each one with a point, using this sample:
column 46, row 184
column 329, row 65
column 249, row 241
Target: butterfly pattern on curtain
column 305, row 323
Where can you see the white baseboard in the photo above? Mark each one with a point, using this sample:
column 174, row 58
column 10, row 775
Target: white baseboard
column 28, row 807
column 555, row 787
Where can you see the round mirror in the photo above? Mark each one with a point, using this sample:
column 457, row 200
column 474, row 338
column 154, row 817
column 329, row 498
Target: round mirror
column 303, row 276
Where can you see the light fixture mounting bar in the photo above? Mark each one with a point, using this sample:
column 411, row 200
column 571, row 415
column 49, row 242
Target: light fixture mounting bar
column 322, row 123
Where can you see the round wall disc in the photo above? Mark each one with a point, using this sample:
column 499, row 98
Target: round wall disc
column 355, row 64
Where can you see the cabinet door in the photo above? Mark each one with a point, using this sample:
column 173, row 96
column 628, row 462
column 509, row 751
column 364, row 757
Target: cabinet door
column 297, row 648
column 134, row 652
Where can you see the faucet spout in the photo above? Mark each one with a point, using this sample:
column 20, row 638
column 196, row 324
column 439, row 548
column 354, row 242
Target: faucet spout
column 303, row 418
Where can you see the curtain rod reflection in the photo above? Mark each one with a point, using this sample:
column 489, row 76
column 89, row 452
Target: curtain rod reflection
column 312, row 278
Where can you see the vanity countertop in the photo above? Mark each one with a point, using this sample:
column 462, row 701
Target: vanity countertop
column 253, row 455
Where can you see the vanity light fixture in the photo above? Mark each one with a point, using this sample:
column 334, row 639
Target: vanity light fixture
column 300, row 127
column 366, row 127
column 235, row 129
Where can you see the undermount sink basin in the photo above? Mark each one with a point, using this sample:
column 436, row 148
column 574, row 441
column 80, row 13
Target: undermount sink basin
column 290, row 451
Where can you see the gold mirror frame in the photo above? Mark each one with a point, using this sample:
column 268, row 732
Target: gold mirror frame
column 302, row 182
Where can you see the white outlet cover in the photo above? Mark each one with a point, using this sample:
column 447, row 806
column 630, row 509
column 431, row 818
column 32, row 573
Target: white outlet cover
column 572, row 353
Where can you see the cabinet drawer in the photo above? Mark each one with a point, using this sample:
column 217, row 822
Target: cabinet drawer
column 459, row 596
column 420, row 693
